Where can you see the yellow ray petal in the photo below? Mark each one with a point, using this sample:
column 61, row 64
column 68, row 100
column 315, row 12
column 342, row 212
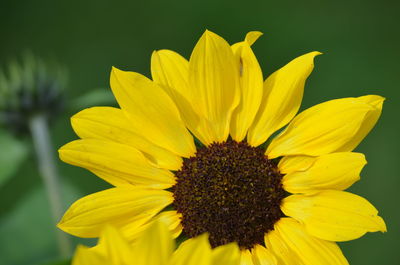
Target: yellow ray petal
column 172, row 219
column 322, row 129
column 289, row 164
column 280, row 250
column 293, row 245
column 283, row 92
column 228, row 254
column 117, row 206
column 154, row 246
column 112, row 124
column 251, row 89
column 133, row 230
column 252, row 36
column 115, row 247
column 334, row 215
column 85, row 256
column 152, row 112
column 193, row 251
column 171, row 71
column 116, row 163
column 370, row 120
column 246, row 258
column 336, row 171
column 263, row 256
column 214, row 81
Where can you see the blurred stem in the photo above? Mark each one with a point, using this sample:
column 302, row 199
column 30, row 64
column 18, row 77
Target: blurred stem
column 47, row 167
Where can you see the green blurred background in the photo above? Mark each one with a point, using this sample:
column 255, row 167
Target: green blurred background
column 360, row 41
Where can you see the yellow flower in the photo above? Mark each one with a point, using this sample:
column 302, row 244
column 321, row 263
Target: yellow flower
column 154, row 246
column 234, row 182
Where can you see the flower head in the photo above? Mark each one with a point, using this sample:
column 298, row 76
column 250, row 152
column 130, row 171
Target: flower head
column 30, row 87
column 235, row 184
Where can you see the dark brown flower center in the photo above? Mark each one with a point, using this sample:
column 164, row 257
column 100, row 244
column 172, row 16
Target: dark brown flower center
column 230, row 190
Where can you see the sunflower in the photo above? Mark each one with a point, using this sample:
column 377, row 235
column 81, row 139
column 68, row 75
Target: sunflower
column 202, row 147
column 154, row 246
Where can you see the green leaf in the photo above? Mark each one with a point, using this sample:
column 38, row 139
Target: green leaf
column 13, row 153
column 96, row 97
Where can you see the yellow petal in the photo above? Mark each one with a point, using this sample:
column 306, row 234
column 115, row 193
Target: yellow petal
column 263, row 256
column 251, row 89
column 334, row 215
column 193, row 251
column 132, row 230
column 228, row 254
column 115, row 247
column 336, row 171
column 280, row 250
column 322, row 129
column 293, row 245
column 117, row 206
column 116, row 163
column 85, row 256
column 246, row 258
column 171, row 72
column 369, row 122
column 154, row 246
column 172, row 219
column 252, row 37
column 106, row 123
column 283, row 92
column 214, row 81
column 289, row 164
column 152, row 112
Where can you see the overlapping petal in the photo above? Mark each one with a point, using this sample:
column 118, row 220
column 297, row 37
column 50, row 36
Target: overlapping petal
column 226, row 254
column 334, row 215
column 283, row 92
column 117, row 206
column 246, row 258
column 323, row 128
column 154, row 246
column 292, row 245
column 193, row 251
column 336, row 171
column 116, row 163
column 171, row 71
column 214, row 82
column 251, row 88
column 112, row 124
column 289, row 164
column 84, row 256
column 114, row 247
column 153, row 113
column 172, row 219
column 263, row 256
column 376, row 102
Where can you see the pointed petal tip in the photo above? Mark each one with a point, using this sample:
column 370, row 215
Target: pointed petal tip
column 60, row 224
column 208, row 34
column 252, row 37
column 374, row 100
column 382, row 225
column 313, row 54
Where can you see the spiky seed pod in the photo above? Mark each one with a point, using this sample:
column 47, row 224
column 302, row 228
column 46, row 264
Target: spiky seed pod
column 29, row 87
